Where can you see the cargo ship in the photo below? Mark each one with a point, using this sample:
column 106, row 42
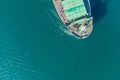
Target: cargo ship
column 76, row 16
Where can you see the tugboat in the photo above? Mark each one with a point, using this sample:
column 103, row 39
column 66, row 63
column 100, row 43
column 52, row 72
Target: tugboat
column 76, row 16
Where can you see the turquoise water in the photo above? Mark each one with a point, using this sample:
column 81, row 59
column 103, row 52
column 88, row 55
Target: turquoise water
column 34, row 45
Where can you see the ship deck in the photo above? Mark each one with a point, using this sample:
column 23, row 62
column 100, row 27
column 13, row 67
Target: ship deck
column 60, row 11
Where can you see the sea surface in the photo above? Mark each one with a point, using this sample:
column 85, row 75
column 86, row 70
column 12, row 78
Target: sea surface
column 35, row 46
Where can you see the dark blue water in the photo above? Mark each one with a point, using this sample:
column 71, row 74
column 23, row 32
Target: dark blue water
column 35, row 46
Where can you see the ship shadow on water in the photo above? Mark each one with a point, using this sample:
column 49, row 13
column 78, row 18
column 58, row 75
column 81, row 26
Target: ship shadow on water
column 99, row 9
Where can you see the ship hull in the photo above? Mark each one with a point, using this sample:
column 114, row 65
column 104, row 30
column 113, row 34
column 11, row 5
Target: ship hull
column 80, row 25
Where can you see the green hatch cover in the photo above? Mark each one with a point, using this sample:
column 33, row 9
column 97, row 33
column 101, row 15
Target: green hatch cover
column 74, row 8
